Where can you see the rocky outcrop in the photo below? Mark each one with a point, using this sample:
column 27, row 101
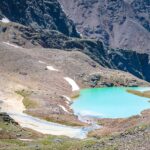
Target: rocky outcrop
column 26, row 36
column 4, row 117
column 39, row 15
column 111, row 79
column 131, row 61
column 126, row 60
column 121, row 24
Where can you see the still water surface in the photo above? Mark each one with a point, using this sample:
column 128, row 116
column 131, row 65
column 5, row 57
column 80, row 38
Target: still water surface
column 112, row 102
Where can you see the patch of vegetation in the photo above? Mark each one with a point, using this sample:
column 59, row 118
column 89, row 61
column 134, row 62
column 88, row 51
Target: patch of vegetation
column 55, row 143
column 138, row 93
column 10, row 131
column 75, row 94
column 136, row 129
column 28, row 103
column 50, row 142
column 16, row 142
column 64, row 143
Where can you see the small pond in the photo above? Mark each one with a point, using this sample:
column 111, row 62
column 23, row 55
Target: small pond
column 113, row 102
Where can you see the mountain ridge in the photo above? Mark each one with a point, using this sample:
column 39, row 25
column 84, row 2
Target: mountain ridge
column 39, row 14
column 123, row 24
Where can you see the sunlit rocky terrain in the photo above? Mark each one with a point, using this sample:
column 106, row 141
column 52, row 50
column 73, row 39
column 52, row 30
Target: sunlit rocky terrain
column 49, row 51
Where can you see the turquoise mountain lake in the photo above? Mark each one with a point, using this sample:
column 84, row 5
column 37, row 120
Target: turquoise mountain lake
column 112, row 102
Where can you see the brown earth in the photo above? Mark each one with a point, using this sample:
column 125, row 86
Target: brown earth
column 143, row 94
column 118, row 126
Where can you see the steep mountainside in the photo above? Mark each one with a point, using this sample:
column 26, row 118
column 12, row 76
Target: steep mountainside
column 118, row 23
column 38, row 14
column 30, row 27
column 129, row 61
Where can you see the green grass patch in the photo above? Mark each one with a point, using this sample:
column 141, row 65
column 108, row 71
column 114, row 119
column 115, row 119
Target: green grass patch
column 28, row 103
column 136, row 129
column 15, row 141
column 138, row 93
column 65, row 143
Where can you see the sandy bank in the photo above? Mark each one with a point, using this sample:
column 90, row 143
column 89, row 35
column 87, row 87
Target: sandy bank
column 14, row 107
column 140, row 93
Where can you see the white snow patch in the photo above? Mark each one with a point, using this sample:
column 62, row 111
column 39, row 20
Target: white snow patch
column 29, row 140
column 41, row 62
column 67, row 102
column 13, row 45
column 51, row 68
column 74, row 85
column 68, row 98
column 64, row 108
column 5, row 20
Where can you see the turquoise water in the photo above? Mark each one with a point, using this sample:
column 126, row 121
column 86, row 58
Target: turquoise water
column 112, row 102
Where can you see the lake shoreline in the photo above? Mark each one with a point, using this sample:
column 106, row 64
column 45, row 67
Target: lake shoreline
column 94, row 124
column 118, row 101
column 139, row 93
column 9, row 105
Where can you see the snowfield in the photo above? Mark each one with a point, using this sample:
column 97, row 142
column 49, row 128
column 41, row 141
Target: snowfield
column 5, row 20
column 13, row 45
column 64, row 109
column 74, row 85
column 51, row 68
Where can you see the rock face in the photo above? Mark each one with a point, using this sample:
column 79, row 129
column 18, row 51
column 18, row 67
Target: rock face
column 4, row 117
column 126, row 60
column 121, row 24
column 131, row 61
column 26, row 36
column 39, row 14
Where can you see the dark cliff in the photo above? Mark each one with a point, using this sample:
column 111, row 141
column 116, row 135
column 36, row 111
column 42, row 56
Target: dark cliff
column 38, row 14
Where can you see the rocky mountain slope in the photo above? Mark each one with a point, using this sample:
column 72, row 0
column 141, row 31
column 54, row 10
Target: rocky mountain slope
column 26, row 72
column 39, row 48
column 121, row 24
column 28, row 27
column 39, row 15
column 126, row 60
